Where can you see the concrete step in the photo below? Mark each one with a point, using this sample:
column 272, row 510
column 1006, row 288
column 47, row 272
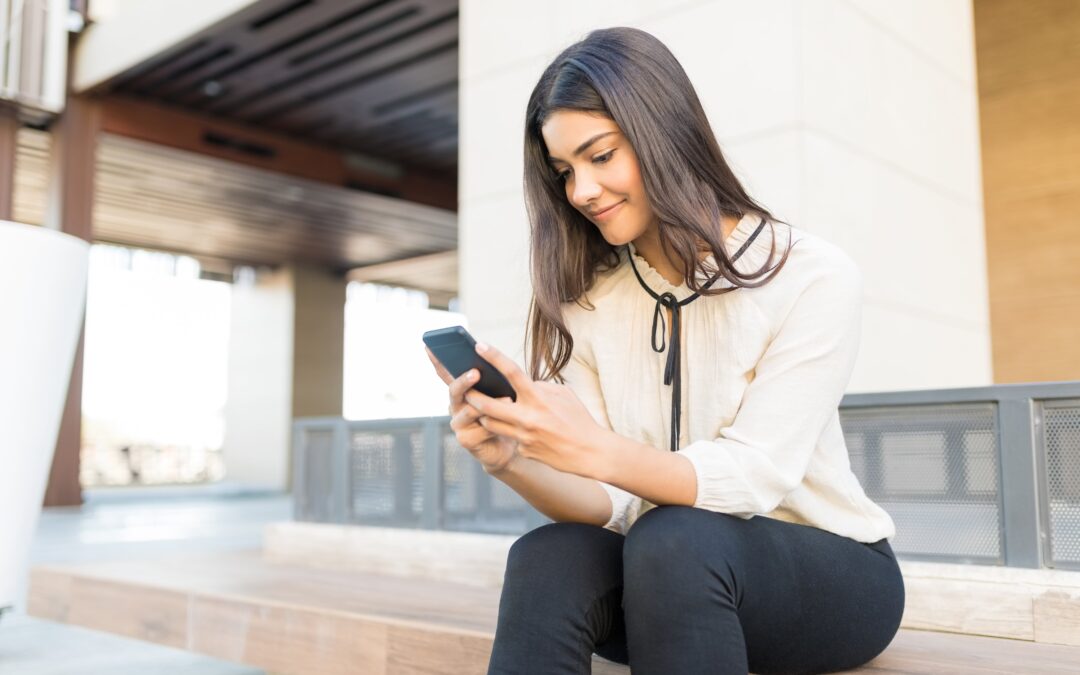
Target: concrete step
column 296, row 618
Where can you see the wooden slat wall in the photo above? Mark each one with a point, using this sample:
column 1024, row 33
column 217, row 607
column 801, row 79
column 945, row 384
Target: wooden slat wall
column 1028, row 56
column 157, row 197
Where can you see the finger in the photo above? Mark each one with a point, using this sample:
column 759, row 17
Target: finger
column 442, row 372
column 464, row 417
column 505, row 365
column 501, row 408
column 463, row 384
column 473, row 437
column 499, row 427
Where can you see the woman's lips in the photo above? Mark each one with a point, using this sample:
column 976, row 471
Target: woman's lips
column 609, row 212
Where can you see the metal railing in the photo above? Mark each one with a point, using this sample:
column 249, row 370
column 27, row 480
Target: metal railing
column 986, row 475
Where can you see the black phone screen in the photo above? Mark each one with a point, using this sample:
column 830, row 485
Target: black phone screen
column 456, row 350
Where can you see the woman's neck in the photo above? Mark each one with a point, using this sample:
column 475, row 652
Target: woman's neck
column 649, row 247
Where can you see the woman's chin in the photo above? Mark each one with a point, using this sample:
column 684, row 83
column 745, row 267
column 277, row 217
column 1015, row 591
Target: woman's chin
column 615, row 236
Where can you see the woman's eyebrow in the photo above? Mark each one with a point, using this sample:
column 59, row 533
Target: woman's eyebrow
column 584, row 146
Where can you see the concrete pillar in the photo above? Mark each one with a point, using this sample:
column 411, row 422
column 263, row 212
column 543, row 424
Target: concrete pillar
column 286, row 360
column 318, row 342
column 258, row 407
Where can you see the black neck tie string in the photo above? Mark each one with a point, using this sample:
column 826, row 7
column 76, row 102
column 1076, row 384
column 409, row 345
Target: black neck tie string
column 672, row 368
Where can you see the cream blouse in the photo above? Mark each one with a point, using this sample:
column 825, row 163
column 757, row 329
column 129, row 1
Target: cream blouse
column 763, row 371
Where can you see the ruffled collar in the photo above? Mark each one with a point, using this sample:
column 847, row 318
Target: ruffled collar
column 753, row 258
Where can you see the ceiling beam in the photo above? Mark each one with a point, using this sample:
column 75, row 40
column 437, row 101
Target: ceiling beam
column 245, row 144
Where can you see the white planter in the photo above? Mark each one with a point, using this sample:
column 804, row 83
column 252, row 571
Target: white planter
column 42, row 298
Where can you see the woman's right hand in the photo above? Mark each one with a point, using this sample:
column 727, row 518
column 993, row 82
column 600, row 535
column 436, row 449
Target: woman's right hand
column 494, row 452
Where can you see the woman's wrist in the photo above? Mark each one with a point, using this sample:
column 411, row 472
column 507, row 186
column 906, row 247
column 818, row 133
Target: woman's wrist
column 601, row 451
column 503, row 468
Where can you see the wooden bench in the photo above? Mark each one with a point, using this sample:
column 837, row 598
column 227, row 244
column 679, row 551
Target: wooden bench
column 285, row 615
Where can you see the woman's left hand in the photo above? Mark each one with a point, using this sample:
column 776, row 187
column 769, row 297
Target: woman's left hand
column 549, row 422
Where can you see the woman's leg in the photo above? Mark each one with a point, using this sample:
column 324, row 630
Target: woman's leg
column 561, row 600
column 707, row 592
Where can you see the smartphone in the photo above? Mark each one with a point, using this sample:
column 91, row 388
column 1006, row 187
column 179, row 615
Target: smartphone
column 456, row 351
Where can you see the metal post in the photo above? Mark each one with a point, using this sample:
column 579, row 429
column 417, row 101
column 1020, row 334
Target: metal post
column 340, row 508
column 299, row 476
column 1019, row 487
column 956, row 484
column 434, row 508
column 403, row 477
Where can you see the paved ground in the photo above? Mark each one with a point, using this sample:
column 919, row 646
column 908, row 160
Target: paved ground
column 140, row 523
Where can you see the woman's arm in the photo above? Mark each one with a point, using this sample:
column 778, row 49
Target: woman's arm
column 561, row 496
column 659, row 476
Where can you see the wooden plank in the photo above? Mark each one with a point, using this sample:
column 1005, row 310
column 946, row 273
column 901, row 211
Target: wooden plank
column 968, row 599
column 913, row 652
column 286, row 639
column 966, row 607
column 1057, row 617
column 292, row 619
column 459, row 557
column 142, row 612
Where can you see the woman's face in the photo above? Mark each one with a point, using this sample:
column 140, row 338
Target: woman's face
column 600, row 173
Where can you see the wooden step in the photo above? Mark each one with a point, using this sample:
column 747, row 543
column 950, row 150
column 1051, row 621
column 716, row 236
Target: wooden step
column 289, row 618
column 1021, row 604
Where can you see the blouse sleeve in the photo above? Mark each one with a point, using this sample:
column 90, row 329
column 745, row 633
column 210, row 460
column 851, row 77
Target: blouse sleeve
column 764, row 453
column 580, row 375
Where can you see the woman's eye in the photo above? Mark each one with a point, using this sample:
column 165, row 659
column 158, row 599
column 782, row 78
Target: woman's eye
column 599, row 159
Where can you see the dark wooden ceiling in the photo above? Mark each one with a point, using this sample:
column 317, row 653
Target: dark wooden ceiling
column 374, row 77
column 223, row 213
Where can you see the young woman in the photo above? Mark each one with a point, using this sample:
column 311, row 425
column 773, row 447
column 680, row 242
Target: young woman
column 724, row 536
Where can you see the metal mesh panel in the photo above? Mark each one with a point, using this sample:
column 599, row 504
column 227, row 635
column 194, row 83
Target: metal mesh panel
column 318, row 473
column 1061, row 429
column 934, row 469
column 459, row 477
column 504, row 498
column 387, row 475
column 475, row 501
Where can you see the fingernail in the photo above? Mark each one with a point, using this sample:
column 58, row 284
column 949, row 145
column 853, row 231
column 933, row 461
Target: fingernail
column 473, row 375
column 481, row 347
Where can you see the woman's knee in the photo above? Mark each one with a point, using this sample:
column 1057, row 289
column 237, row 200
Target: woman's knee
column 669, row 541
column 567, row 555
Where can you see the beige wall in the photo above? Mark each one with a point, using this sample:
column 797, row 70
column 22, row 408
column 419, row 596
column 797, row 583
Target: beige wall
column 854, row 120
column 286, row 360
column 1029, row 91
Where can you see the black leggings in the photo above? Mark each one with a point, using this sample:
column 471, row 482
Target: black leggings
column 691, row 591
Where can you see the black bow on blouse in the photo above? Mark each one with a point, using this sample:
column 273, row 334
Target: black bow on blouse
column 672, row 374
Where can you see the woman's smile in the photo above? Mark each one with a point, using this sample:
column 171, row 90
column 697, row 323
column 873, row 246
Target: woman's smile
column 609, row 212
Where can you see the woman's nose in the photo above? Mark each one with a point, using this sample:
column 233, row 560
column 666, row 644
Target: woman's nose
column 585, row 190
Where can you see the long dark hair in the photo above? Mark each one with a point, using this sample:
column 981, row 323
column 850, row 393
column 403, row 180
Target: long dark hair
column 630, row 77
